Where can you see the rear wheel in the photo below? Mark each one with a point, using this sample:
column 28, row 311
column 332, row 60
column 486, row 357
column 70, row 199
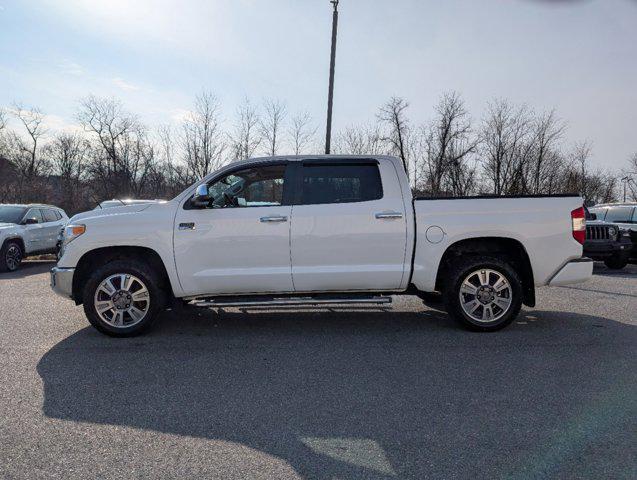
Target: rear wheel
column 123, row 298
column 616, row 263
column 483, row 293
column 10, row 256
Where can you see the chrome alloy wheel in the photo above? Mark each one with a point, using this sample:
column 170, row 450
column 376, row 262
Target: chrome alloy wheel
column 485, row 295
column 13, row 257
column 122, row 300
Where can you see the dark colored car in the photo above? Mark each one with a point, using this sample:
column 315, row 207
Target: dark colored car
column 607, row 242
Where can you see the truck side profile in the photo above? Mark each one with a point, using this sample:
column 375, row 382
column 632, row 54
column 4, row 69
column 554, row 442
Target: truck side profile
column 316, row 230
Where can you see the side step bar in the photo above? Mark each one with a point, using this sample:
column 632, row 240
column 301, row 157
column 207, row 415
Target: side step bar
column 283, row 301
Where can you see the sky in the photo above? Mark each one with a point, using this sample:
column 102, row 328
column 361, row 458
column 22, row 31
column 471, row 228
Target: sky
column 577, row 56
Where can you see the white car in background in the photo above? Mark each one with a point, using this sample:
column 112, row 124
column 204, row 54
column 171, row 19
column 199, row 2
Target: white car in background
column 28, row 230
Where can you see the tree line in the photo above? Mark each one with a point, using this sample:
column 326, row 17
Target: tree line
column 113, row 154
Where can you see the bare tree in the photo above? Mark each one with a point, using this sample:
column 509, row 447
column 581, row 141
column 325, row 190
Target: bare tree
column 505, row 131
column 271, row 124
column 67, row 153
column 203, row 141
column 360, row 140
column 547, row 132
column 114, row 129
column 27, row 159
column 3, row 120
column 446, row 146
column 629, row 179
column 301, row 132
column 246, row 138
column 393, row 115
column 123, row 156
column 3, row 129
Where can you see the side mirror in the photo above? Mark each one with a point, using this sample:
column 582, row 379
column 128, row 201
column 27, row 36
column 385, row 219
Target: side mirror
column 30, row 221
column 201, row 197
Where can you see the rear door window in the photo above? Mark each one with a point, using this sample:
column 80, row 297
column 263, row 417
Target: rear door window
column 340, row 183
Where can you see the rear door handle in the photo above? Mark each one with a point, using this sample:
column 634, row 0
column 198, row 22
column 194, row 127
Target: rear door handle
column 187, row 226
column 385, row 215
column 273, row 218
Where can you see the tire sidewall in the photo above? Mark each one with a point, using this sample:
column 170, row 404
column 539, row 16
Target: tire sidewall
column 141, row 271
column 460, row 272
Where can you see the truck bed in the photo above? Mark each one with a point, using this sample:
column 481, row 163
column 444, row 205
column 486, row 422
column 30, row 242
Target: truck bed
column 540, row 223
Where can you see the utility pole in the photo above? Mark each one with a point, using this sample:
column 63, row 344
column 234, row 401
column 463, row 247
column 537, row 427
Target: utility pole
column 330, row 93
column 625, row 181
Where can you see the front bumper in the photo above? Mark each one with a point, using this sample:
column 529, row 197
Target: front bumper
column 575, row 271
column 62, row 281
column 599, row 250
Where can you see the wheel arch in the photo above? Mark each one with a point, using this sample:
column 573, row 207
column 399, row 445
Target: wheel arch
column 99, row 256
column 509, row 248
column 19, row 241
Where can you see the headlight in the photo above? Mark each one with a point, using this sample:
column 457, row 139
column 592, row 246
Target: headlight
column 71, row 232
column 612, row 231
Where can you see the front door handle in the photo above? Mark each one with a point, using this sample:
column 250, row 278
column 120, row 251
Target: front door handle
column 273, row 218
column 187, row 226
column 384, row 215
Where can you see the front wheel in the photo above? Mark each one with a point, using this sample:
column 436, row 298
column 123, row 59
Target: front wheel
column 483, row 293
column 10, row 256
column 123, row 298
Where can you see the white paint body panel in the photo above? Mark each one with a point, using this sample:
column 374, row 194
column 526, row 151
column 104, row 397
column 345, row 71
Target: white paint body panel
column 541, row 225
column 332, row 247
column 572, row 272
column 344, row 247
column 232, row 251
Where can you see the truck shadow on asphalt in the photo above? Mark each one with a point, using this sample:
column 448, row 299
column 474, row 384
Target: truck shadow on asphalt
column 367, row 394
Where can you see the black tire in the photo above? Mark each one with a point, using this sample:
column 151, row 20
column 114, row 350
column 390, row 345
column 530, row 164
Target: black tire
column 454, row 279
column 616, row 262
column 10, row 248
column 150, row 279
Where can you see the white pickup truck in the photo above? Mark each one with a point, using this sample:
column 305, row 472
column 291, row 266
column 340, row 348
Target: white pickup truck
column 314, row 230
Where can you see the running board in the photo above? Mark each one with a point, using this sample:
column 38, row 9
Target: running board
column 284, row 301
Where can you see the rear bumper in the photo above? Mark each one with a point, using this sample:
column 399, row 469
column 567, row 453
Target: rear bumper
column 575, row 271
column 62, row 281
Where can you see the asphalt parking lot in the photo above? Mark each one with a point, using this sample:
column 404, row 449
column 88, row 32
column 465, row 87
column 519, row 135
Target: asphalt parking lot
column 343, row 393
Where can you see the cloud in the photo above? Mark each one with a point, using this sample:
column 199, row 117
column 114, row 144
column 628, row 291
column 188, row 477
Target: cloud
column 124, row 85
column 71, row 68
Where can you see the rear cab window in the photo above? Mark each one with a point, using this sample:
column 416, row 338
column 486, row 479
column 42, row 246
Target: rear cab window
column 340, row 183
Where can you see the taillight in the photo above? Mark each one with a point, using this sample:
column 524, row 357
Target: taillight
column 578, row 218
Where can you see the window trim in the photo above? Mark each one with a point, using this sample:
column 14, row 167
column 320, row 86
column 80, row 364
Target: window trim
column 346, row 162
column 287, row 184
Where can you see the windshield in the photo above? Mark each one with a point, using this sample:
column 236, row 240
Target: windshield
column 11, row 214
column 600, row 212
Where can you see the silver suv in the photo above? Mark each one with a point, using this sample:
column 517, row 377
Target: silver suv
column 28, row 230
